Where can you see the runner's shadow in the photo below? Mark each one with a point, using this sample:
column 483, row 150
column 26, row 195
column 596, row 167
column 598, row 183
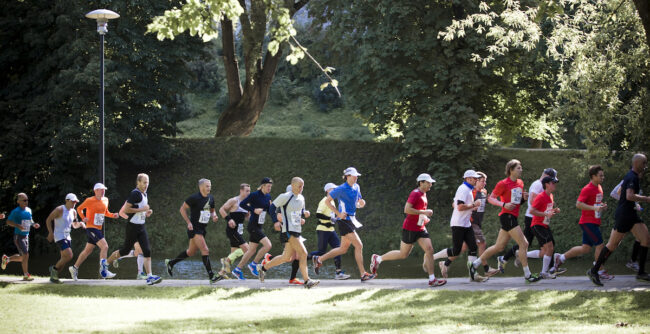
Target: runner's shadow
column 247, row 293
column 343, row 296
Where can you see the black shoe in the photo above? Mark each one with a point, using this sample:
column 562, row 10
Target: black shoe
column 643, row 277
column 215, row 279
column 169, row 267
column 595, row 278
column 472, row 270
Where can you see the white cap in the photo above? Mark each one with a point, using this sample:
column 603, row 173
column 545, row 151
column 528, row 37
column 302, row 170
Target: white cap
column 351, row 171
column 71, row 197
column 329, row 186
column 471, row 173
column 289, row 188
column 426, row 177
column 99, row 186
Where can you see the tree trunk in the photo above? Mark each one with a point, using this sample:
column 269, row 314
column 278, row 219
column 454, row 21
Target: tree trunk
column 239, row 119
column 643, row 8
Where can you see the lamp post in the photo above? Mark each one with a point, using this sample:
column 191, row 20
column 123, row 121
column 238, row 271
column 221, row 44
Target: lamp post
column 102, row 16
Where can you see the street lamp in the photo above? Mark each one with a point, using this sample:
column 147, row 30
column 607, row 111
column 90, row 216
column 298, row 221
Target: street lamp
column 102, row 16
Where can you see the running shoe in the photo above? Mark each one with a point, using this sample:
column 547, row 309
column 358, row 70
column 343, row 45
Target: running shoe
column 443, row 269
column 547, row 275
column 501, row 264
column 28, row 278
column 558, row 262
column 5, row 260
column 604, row 275
column 367, row 277
column 374, row 264
column 142, row 275
column 253, row 269
column 106, row 274
column 54, row 275
column 472, row 270
column 437, row 282
column 311, row 283
column 295, row 281
column 633, row 265
column 74, row 271
column 153, row 279
column 559, row 271
column 480, row 279
column 225, row 264
column 116, row 263
column 267, row 257
column 643, row 277
column 169, row 267
column 341, row 275
column 238, row 273
column 317, row 264
column 594, row 277
column 533, row 278
column 260, row 270
column 491, row 272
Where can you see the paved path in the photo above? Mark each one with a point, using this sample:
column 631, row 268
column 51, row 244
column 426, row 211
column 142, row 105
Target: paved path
column 620, row 283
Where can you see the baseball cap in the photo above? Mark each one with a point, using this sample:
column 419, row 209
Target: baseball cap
column 266, row 180
column 550, row 172
column 425, row 177
column 99, row 186
column 71, row 197
column 471, row 173
column 548, row 179
column 329, row 186
column 351, row 171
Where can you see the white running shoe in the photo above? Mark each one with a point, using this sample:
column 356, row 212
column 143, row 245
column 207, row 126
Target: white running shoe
column 341, row 275
column 74, row 272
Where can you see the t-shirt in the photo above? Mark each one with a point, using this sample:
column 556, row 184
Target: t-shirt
column 257, row 200
column 625, row 209
column 419, row 201
column 543, row 202
column 324, row 210
column 590, row 195
column 137, row 199
column 200, row 208
column 463, row 196
column 347, row 196
column 510, row 192
column 96, row 211
column 536, row 188
column 21, row 217
column 291, row 207
column 477, row 216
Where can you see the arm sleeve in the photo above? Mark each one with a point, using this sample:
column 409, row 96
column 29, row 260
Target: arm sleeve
column 245, row 204
column 498, row 190
column 274, row 217
column 134, row 198
column 584, row 196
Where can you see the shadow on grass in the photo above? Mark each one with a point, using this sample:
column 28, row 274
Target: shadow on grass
column 343, row 296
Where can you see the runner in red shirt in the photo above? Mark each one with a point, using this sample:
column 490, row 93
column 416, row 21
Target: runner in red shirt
column 542, row 211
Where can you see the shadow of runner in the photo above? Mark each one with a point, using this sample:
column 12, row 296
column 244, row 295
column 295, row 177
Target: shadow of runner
column 343, row 296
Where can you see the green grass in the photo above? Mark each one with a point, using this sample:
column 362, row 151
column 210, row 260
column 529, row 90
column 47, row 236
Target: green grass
column 80, row 309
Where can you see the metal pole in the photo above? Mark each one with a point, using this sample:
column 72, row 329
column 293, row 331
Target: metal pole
column 101, row 106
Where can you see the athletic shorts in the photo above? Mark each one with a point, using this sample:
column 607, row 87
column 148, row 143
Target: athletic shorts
column 63, row 244
column 591, row 234
column 345, row 226
column 508, row 222
column 460, row 235
column 256, row 234
column 284, row 236
column 235, row 238
column 625, row 224
column 22, row 243
column 528, row 231
column 410, row 237
column 478, row 233
column 543, row 234
column 197, row 229
column 94, row 235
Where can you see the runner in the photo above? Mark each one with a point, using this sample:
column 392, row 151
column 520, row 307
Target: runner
column 201, row 206
column 291, row 206
column 135, row 252
column 349, row 196
column 295, row 263
column 64, row 216
column 138, row 210
column 414, row 230
column 510, row 191
column 534, row 190
column 258, row 203
column 543, row 210
column 21, row 220
column 235, row 217
column 591, row 204
column 627, row 220
column 632, row 263
column 327, row 233
column 96, row 210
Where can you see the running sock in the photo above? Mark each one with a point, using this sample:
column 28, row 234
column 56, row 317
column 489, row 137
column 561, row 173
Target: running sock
column 546, row 262
column 440, row 255
column 379, row 259
column 294, row 269
column 234, row 255
column 207, row 265
column 602, row 257
column 486, row 268
column 432, row 277
column 533, row 254
column 140, row 261
column 643, row 254
column 447, row 262
column 180, row 257
column 511, row 253
column 526, row 272
column 477, row 263
column 337, row 262
column 635, row 250
column 55, row 269
column 562, row 258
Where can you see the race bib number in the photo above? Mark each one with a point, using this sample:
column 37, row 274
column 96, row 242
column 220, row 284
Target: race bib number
column 240, row 229
column 262, row 216
column 139, row 218
column 549, row 208
column 342, row 207
column 26, row 224
column 295, row 217
column 422, row 219
column 481, row 207
column 205, row 217
column 599, row 201
column 356, row 223
column 99, row 219
column 515, row 195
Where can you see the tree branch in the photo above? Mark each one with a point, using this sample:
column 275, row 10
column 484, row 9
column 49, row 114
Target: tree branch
column 317, row 64
column 230, row 62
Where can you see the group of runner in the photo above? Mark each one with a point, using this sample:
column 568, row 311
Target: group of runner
column 287, row 212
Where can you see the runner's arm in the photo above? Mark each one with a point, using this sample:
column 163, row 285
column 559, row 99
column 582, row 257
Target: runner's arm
column 183, row 211
column 222, row 210
column 56, row 213
column 631, row 196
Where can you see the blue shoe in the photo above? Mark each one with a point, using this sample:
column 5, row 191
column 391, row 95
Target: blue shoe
column 253, row 268
column 153, row 279
column 501, row 264
column 238, row 273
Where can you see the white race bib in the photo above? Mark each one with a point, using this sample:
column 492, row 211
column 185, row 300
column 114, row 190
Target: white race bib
column 26, row 224
column 549, row 208
column 262, row 216
column 481, row 208
column 99, row 219
column 356, row 223
column 205, row 217
column 295, row 217
column 139, row 218
column 421, row 219
column 599, row 201
column 515, row 196
column 240, row 228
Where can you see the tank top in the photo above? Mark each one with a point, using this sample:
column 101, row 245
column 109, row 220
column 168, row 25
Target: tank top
column 63, row 224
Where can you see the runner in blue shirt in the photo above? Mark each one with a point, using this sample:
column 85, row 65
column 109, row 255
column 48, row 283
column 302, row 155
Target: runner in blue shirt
column 21, row 220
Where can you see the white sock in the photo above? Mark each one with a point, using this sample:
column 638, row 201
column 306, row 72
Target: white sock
column 534, row 254
column 140, row 261
column 546, row 262
column 471, row 259
column 379, row 259
column 127, row 255
column 476, row 263
column 440, row 255
column 432, row 277
column 562, row 258
column 526, row 272
column 600, row 272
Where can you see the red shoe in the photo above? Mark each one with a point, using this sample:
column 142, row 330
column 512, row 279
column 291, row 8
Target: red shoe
column 367, row 277
column 374, row 264
column 296, row 281
column 437, row 282
column 267, row 259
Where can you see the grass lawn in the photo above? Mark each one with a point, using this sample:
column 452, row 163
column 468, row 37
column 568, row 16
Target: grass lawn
column 34, row 308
